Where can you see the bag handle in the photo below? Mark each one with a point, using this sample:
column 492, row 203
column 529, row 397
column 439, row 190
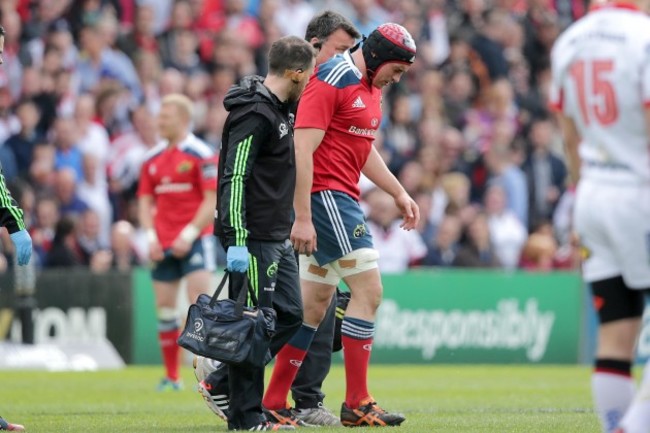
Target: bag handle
column 241, row 298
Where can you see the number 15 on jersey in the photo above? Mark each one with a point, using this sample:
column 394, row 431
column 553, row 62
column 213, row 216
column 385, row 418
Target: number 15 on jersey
column 595, row 91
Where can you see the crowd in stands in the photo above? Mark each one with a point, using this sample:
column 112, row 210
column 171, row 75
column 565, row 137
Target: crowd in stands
column 466, row 131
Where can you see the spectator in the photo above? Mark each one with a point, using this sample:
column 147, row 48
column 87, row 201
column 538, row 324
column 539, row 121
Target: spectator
column 94, row 193
column 93, row 138
column 65, row 188
column 399, row 133
column 507, row 232
column 124, row 256
column 44, row 227
column 63, row 253
column 88, row 236
column 126, row 156
column 68, row 154
column 22, row 144
column 100, row 61
column 447, row 243
column 504, row 171
column 476, row 250
column 142, row 37
column 546, row 173
column 398, row 249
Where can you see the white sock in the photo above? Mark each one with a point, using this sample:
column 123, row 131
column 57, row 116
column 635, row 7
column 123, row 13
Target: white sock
column 637, row 417
column 612, row 394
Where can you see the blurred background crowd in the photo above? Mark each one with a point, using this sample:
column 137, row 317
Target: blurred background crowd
column 466, row 131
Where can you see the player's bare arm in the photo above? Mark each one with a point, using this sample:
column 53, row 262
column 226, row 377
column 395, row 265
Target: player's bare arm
column 303, row 234
column 145, row 216
column 376, row 170
column 571, row 138
column 203, row 217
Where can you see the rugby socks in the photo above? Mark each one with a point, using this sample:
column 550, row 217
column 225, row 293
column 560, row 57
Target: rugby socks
column 637, row 417
column 356, row 337
column 613, row 390
column 287, row 364
column 168, row 332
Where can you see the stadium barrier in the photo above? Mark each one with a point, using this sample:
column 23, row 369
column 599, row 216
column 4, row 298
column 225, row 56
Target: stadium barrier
column 74, row 307
column 432, row 316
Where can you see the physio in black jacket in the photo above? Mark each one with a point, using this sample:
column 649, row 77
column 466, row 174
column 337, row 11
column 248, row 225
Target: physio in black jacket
column 255, row 199
column 11, row 218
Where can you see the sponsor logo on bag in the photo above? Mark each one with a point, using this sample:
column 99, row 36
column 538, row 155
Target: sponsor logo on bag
column 198, row 326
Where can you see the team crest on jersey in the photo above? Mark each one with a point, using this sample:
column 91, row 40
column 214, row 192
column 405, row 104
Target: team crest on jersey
column 152, row 169
column 284, row 129
column 359, row 231
column 374, row 122
column 184, row 167
column 292, row 119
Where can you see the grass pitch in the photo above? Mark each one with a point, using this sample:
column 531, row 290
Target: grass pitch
column 499, row 399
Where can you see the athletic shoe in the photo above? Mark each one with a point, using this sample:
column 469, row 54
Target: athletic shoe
column 284, row 417
column 4, row 425
column 218, row 403
column 170, row 385
column 269, row 426
column 204, row 366
column 319, row 415
column 369, row 414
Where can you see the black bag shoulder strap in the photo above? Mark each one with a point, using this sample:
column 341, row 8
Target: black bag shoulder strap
column 241, row 298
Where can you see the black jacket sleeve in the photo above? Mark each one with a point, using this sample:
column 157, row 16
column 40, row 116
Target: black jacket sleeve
column 11, row 216
column 245, row 138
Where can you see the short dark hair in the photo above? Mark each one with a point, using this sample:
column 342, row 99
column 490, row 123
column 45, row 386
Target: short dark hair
column 327, row 22
column 2, row 31
column 290, row 53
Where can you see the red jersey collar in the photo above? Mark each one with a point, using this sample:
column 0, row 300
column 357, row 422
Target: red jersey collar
column 617, row 5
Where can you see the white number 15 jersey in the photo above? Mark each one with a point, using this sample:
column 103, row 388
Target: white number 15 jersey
column 601, row 79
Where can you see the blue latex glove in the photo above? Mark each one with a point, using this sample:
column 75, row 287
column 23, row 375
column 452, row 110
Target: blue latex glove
column 23, row 243
column 237, row 259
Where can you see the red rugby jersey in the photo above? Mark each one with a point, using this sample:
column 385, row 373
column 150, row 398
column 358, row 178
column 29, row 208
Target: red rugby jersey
column 340, row 101
column 176, row 177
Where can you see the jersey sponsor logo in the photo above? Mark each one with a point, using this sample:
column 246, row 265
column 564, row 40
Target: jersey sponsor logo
column 184, row 166
column 172, row 188
column 366, row 132
column 359, row 231
column 284, row 130
column 358, row 103
column 209, row 170
column 269, row 289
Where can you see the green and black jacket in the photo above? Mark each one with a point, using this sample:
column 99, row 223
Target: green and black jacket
column 11, row 216
column 257, row 173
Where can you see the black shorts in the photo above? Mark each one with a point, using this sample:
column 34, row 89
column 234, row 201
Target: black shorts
column 614, row 300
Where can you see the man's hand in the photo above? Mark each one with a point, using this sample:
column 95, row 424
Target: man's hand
column 180, row 247
column 237, row 259
column 23, row 243
column 303, row 236
column 409, row 209
column 156, row 252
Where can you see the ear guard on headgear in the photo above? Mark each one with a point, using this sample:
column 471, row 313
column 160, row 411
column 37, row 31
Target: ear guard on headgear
column 388, row 43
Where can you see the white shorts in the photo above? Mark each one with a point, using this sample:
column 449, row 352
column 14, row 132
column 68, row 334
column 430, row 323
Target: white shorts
column 613, row 223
